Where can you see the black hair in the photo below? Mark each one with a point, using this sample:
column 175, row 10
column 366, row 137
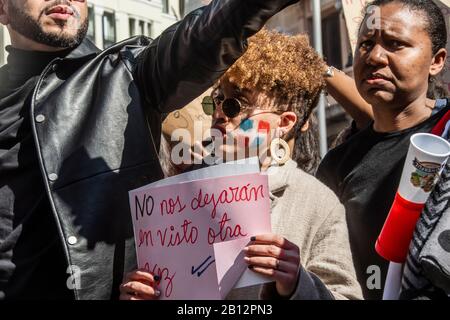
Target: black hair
column 435, row 27
column 307, row 146
column 306, row 143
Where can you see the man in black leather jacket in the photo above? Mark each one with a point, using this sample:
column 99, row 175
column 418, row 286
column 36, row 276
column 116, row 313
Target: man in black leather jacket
column 80, row 127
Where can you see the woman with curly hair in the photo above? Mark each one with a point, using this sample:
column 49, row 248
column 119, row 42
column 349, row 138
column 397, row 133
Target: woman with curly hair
column 265, row 103
column 274, row 89
column 283, row 73
column 276, row 86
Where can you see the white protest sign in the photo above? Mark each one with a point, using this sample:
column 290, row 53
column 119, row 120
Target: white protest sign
column 176, row 226
column 353, row 17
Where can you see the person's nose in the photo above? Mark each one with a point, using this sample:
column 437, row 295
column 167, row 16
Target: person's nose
column 377, row 56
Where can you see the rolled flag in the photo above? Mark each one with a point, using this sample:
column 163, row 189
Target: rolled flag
column 424, row 163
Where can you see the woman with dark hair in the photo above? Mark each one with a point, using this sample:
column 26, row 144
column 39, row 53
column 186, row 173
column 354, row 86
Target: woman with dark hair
column 395, row 63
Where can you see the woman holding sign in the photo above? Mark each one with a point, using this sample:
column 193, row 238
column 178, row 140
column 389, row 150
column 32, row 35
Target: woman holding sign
column 263, row 106
column 266, row 100
column 395, row 64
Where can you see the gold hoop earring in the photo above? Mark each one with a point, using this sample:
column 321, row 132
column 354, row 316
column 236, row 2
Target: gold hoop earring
column 280, row 151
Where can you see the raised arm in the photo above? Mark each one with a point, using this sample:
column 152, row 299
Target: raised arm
column 191, row 55
column 343, row 89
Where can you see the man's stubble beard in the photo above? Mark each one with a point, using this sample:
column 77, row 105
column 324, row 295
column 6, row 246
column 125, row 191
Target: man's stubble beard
column 28, row 27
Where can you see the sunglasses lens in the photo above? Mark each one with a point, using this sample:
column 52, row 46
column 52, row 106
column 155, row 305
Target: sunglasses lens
column 231, row 108
column 208, row 105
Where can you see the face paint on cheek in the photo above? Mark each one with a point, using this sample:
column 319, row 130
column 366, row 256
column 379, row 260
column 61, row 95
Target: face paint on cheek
column 264, row 127
column 253, row 136
column 246, row 125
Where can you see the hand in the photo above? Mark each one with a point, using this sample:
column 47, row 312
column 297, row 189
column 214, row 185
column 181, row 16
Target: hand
column 139, row 285
column 276, row 257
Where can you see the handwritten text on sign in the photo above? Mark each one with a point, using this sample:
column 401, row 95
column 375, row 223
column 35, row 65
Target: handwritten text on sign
column 175, row 227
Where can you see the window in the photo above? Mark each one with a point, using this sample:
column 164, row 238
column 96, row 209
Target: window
column 181, row 5
column 332, row 40
column 91, row 29
column 142, row 28
column 109, row 29
column 165, row 6
column 149, row 29
column 132, row 23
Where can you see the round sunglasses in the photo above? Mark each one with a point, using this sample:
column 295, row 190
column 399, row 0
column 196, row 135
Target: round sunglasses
column 231, row 107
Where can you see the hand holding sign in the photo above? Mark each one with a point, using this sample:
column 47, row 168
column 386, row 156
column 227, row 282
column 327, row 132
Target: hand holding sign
column 276, row 257
column 140, row 285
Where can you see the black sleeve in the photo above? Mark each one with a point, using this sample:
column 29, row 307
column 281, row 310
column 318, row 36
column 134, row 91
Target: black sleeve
column 326, row 174
column 312, row 288
column 192, row 54
column 309, row 287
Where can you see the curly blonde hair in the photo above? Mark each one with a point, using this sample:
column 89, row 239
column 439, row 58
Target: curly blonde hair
column 289, row 71
column 284, row 67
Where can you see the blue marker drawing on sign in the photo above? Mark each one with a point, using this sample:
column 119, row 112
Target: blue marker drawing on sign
column 196, row 270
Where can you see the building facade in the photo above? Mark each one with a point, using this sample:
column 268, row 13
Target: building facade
column 115, row 20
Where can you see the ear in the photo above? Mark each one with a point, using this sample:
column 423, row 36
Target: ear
column 287, row 121
column 438, row 62
column 3, row 12
column 305, row 127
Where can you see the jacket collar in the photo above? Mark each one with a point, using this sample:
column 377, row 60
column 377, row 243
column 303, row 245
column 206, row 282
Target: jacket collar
column 279, row 175
column 86, row 49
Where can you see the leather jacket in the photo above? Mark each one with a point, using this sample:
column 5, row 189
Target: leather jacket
column 99, row 137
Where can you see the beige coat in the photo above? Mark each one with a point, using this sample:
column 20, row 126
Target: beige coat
column 306, row 212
